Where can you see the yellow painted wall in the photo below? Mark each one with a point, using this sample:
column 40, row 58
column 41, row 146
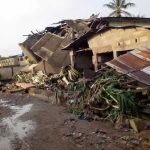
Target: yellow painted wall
column 119, row 40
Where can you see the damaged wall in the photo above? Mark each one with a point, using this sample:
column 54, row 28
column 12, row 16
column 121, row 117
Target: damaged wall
column 127, row 21
column 9, row 72
column 120, row 39
column 49, row 49
column 10, row 61
column 47, row 68
column 28, row 53
column 47, row 45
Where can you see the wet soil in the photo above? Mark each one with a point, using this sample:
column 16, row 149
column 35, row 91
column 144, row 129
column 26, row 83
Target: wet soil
column 28, row 123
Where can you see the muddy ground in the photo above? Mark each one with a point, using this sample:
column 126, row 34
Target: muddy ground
column 28, row 123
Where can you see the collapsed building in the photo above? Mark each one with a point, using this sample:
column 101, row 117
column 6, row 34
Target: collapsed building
column 11, row 65
column 45, row 48
column 62, row 56
column 86, row 44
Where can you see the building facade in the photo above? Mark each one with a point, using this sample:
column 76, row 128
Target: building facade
column 10, row 61
column 13, row 61
column 117, row 41
column 109, row 38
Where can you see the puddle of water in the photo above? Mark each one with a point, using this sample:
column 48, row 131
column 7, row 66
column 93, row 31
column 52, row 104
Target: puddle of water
column 13, row 127
column 5, row 144
column 20, row 110
column 3, row 103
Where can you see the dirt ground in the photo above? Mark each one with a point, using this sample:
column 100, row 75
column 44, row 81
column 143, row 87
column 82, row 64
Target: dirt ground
column 28, row 123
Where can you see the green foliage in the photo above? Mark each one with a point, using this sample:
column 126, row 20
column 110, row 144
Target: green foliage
column 123, row 101
column 105, row 96
column 30, row 62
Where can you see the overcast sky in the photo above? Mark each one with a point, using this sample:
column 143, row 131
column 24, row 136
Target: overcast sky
column 19, row 17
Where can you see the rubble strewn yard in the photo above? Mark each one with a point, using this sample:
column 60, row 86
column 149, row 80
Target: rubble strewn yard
column 79, row 89
column 109, row 110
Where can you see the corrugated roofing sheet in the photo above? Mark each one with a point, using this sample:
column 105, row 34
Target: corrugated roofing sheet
column 135, row 64
column 49, row 49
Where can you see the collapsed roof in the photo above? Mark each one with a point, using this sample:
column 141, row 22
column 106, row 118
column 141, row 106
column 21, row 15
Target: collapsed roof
column 105, row 24
column 135, row 64
column 42, row 45
column 48, row 44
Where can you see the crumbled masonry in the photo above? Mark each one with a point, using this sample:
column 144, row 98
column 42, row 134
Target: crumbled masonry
column 108, row 96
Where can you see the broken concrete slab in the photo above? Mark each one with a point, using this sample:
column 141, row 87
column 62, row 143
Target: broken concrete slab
column 25, row 85
column 49, row 49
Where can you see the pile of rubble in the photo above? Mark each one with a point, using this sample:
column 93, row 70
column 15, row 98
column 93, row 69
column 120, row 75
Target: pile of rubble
column 37, row 79
column 117, row 92
column 109, row 95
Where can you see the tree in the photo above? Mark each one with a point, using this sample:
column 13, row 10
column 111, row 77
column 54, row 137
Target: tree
column 119, row 7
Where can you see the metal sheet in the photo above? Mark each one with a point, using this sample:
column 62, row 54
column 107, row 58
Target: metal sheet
column 146, row 70
column 135, row 64
column 141, row 76
column 119, row 66
column 133, row 61
column 144, row 54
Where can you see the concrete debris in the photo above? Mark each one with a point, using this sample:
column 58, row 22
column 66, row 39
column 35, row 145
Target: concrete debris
column 34, row 79
column 23, row 77
column 29, row 68
column 25, row 85
column 39, row 78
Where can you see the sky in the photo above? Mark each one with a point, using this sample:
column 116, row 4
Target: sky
column 20, row 17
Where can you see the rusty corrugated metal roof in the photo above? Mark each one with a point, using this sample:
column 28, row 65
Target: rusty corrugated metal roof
column 135, row 64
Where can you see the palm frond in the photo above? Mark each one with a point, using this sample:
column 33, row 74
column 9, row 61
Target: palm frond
column 127, row 14
column 123, row 2
column 109, row 6
column 127, row 5
column 113, row 14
